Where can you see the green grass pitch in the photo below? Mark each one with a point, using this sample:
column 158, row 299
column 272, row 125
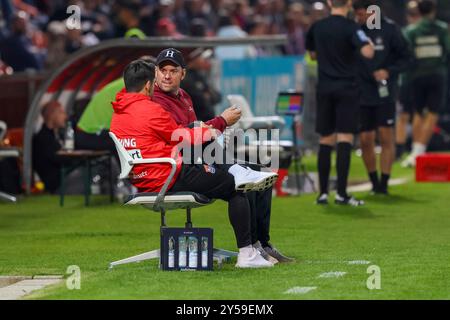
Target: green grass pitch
column 407, row 235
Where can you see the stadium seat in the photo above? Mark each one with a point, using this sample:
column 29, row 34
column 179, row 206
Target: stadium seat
column 161, row 202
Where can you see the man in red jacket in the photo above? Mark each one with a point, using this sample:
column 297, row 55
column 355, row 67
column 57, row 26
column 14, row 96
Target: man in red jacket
column 170, row 71
column 146, row 129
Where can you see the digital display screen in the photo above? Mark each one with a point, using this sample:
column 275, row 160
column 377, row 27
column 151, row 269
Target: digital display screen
column 289, row 103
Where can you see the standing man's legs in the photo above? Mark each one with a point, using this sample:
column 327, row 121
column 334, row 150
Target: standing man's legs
column 324, row 166
column 343, row 160
column 347, row 124
column 386, row 135
column 367, row 141
column 430, row 96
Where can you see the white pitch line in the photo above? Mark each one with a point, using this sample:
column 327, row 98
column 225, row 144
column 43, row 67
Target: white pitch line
column 333, row 274
column 300, row 290
column 359, row 262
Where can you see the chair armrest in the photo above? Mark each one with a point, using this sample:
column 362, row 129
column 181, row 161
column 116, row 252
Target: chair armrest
column 263, row 122
column 160, row 198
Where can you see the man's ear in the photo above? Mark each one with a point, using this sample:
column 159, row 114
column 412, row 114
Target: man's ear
column 148, row 86
column 183, row 73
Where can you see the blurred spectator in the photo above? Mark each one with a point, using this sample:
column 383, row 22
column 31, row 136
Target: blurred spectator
column 166, row 28
column 198, row 28
column 76, row 40
column 129, row 18
column 199, row 9
column 259, row 26
column 278, row 17
column 56, row 51
column 47, row 142
column 6, row 14
column 198, row 85
column 295, row 31
column 228, row 27
column 17, row 49
column 318, row 11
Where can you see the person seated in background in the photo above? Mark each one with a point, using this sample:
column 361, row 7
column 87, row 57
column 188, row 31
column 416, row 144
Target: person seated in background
column 47, row 142
column 151, row 129
column 197, row 84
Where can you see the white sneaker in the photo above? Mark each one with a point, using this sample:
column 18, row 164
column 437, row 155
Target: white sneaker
column 251, row 258
column 247, row 179
column 409, row 162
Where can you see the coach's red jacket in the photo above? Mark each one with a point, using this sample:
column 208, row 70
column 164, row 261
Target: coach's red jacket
column 145, row 129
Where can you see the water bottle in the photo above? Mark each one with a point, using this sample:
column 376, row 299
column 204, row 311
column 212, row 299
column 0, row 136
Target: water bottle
column 193, row 249
column 96, row 185
column 383, row 89
column 182, row 247
column 204, row 252
column 69, row 137
column 171, row 261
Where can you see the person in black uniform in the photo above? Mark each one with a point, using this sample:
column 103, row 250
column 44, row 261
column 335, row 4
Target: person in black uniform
column 378, row 80
column 337, row 42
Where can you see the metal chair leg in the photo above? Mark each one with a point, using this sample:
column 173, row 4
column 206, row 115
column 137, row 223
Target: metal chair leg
column 7, row 197
column 138, row 258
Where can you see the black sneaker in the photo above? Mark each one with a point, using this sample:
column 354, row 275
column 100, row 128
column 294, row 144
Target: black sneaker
column 272, row 251
column 322, row 199
column 348, row 201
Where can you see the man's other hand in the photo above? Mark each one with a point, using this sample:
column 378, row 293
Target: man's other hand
column 232, row 115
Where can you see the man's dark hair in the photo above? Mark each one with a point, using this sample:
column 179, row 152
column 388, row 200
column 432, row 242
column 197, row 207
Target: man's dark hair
column 338, row 3
column 363, row 4
column 426, row 7
column 136, row 75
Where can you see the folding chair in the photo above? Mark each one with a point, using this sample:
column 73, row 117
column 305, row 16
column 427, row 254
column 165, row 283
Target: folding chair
column 161, row 202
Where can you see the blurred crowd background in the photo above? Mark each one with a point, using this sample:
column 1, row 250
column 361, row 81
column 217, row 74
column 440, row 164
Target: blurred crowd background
column 33, row 33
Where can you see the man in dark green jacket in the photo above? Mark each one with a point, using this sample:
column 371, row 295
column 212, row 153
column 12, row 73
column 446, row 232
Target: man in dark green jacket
column 430, row 42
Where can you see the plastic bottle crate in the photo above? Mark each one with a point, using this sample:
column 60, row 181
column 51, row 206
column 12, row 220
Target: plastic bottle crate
column 433, row 167
column 186, row 249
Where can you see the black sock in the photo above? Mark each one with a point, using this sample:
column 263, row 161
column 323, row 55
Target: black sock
column 344, row 150
column 324, row 166
column 374, row 179
column 384, row 182
column 399, row 150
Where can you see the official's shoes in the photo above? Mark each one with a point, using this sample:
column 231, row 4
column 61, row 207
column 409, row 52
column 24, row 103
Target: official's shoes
column 273, row 252
column 322, row 199
column 257, row 245
column 348, row 201
column 251, row 258
column 250, row 180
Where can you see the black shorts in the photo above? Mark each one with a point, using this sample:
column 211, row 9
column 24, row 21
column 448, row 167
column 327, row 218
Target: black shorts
column 337, row 112
column 429, row 92
column 374, row 117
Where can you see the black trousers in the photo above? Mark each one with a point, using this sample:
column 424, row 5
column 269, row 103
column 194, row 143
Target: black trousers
column 217, row 183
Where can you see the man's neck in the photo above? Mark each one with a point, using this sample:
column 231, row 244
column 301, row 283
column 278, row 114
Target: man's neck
column 339, row 11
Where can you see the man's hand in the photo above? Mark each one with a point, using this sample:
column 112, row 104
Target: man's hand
column 232, row 115
column 381, row 74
